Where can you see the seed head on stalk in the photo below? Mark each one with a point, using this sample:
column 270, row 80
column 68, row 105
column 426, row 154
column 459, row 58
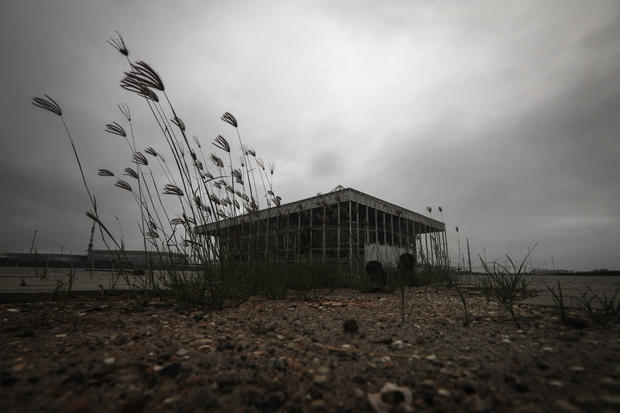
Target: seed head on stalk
column 124, row 108
column 214, row 199
column 180, row 124
column 217, row 161
column 170, row 189
column 119, row 44
column 123, row 185
column 105, row 172
column 134, row 85
column 131, row 172
column 150, row 151
column 48, row 104
column 222, row 143
column 139, row 158
column 144, row 74
column 229, row 118
column 52, row 106
column 115, row 129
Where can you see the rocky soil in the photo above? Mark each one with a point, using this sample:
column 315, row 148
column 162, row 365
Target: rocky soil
column 329, row 352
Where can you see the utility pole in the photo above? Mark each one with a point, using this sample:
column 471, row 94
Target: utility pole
column 34, row 236
column 458, row 240
column 468, row 255
column 90, row 242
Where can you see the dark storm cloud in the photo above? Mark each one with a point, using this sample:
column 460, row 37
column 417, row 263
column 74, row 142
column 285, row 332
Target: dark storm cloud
column 504, row 114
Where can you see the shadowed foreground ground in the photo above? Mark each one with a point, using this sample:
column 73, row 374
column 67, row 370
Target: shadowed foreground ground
column 89, row 354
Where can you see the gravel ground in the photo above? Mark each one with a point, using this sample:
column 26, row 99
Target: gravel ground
column 328, row 353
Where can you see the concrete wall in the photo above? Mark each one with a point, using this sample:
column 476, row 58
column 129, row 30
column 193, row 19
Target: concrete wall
column 386, row 254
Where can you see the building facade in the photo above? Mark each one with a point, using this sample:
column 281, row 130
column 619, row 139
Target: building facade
column 345, row 226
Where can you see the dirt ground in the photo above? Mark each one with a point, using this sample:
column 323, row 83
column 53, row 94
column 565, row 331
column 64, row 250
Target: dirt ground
column 304, row 355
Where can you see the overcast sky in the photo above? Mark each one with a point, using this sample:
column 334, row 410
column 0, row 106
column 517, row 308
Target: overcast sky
column 507, row 114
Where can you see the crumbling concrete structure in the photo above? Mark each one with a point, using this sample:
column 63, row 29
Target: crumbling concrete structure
column 345, row 226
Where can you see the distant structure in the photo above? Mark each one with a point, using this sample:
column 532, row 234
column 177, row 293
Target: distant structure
column 102, row 259
column 345, row 226
column 135, row 259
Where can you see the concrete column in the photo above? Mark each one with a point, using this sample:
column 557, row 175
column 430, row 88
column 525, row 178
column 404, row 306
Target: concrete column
column 357, row 250
column 338, row 237
column 367, row 240
column 440, row 249
column 384, row 229
column 428, row 257
column 436, row 249
column 267, row 234
column 323, row 234
column 311, row 234
column 444, row 249
column 286, row 236
column 376, row 227
column 350, row 240
column 277, row 237
column 445, row 240
column 407, row 235
column 298, row 244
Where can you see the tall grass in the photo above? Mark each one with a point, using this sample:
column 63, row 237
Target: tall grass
column 207, row 184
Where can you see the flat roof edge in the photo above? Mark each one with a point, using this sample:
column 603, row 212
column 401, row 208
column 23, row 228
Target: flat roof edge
column 343, row 195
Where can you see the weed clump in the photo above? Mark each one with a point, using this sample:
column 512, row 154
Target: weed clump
column 507, row 282
column 601, row 309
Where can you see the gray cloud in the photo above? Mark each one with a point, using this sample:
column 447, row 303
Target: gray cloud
column 504, row 114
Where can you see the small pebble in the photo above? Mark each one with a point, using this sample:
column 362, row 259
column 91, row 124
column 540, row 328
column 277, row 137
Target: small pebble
column 320, row 379
column 170, row 400
column 443, row 392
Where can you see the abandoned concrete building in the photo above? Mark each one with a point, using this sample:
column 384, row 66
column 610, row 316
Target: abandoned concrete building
column 345, row 226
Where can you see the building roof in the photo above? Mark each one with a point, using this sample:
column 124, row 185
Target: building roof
column 340, row 195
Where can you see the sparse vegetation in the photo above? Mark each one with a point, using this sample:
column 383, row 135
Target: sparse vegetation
column 608, row 309
column 432, row 275
column 63, row 288
column 508, row 282
column 466, row 313
column 558, row 300
column 483, row 282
